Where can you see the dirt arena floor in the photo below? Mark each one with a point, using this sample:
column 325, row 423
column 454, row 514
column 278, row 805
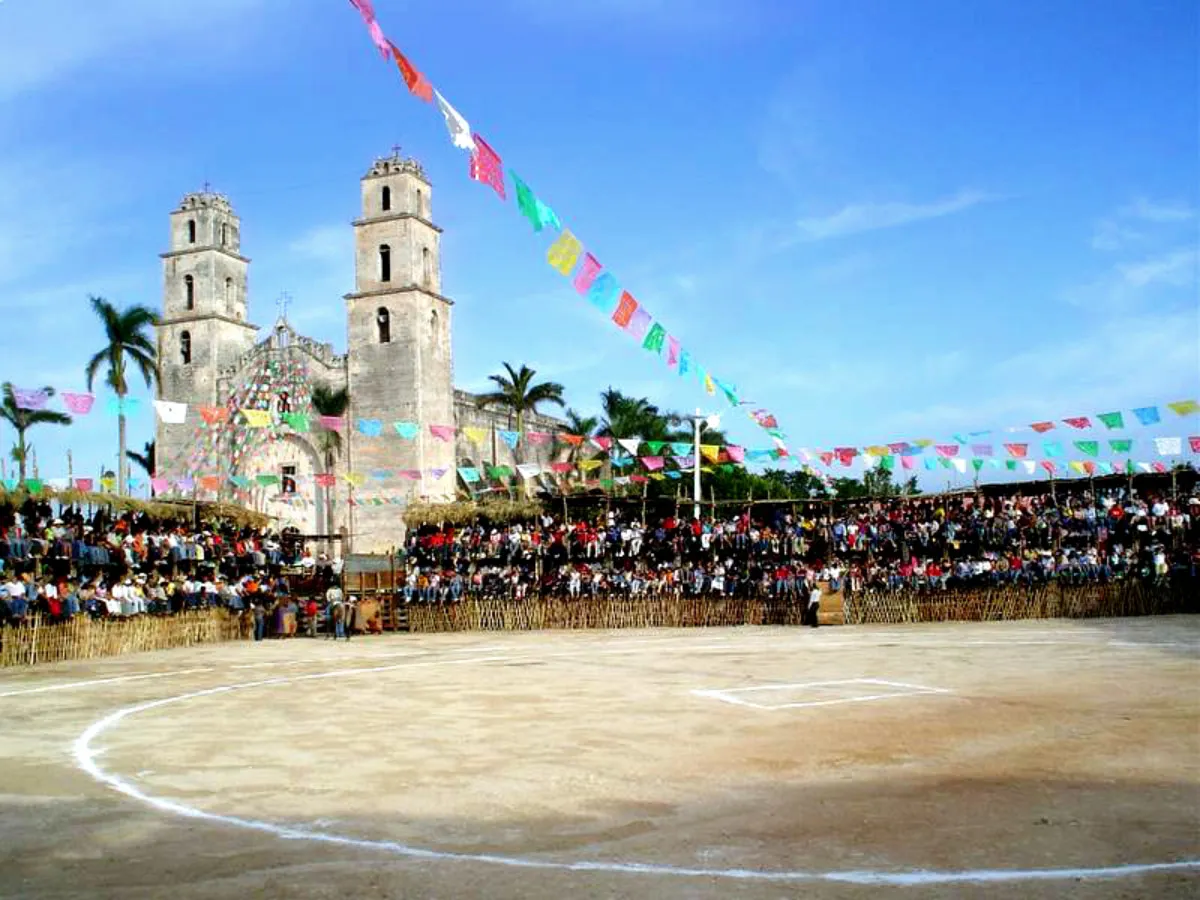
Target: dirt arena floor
column 1006, row 760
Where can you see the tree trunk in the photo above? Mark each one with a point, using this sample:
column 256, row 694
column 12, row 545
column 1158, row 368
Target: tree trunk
column 122, row 461
column 22, row 451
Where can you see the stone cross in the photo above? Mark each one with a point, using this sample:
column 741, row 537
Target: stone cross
column 284, row 301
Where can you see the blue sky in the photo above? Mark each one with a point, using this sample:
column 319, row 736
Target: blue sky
column 882, row 221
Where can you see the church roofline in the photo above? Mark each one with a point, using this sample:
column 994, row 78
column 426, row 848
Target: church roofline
column 405, row 289
column 391, row 217
column 225, row 250
column 386, row 166
column 200, row 317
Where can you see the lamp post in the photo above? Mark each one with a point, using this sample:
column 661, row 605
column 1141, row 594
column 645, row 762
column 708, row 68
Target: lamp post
column 700, row 421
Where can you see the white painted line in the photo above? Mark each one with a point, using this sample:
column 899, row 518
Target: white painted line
column 905, row 690
column 96, row 681
column 86, row 759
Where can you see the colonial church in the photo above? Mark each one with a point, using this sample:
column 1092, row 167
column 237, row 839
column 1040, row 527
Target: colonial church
column 398, row 368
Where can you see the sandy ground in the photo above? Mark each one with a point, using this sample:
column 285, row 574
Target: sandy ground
column 923, row 762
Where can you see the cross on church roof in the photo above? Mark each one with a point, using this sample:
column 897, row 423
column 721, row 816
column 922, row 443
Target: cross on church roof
column 207, row 186
column 395, row 150
column 284, row 301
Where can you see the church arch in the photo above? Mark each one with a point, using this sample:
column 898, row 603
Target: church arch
column 185, row 347
column 385, row 262
column 385, row 198
column 189, row 292
column 383, row 322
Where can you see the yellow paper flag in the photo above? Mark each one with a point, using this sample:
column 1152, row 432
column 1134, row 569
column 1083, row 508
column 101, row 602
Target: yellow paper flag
column 1185, row 407
column 564, row 252
column 257, row 418
column 708, row 384
column 711, row 452
column 357, row 479
column 475, row 435
column 588, row 464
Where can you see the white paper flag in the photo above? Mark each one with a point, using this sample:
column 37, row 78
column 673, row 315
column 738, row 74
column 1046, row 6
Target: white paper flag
column 1145, row 467
column 1029, row 465
column 529, row 470
column 170, row 412
column 459, row 128
column 960, row 464
column 1168, row 446
column 631, row 445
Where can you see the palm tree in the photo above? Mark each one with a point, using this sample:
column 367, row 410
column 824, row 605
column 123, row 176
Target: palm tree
column 145, row 459
column 519, row 394
column 630, row 417
column 23, row 419
column 584, row 426
column 328, row 401
column 124, row 331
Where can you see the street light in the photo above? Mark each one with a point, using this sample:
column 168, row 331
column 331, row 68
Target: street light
column 700, row 421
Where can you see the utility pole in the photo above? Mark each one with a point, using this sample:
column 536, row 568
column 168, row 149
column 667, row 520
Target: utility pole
column 699, row 421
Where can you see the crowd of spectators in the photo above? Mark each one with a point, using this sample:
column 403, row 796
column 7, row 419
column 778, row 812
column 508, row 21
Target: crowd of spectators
column 61, row 564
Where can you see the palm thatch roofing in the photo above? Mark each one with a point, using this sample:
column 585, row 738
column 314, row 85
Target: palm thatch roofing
column 156, row 509
column 464, row 511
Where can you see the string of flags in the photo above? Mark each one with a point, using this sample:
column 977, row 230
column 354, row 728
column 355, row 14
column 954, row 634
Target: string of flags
column 567, row 254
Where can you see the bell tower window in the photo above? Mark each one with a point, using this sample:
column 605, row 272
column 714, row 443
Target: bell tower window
column 224, row 234
column 191, row 231
column 383, row 320
column 185, row 347
column 385, row 263
column 419, row 198
column 426, row 267
column 385, row 199
column 229, row 296
column 189, row 292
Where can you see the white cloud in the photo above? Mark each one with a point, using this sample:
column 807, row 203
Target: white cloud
column 43, row 41
column 719, row 18
column 859, row 217
column 1111, row 235
column 1149, row 211
column 332, row 244
column 1177, row 268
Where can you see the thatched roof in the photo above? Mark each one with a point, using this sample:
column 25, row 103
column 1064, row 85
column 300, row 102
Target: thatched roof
column 496, row 510
column 156, row 509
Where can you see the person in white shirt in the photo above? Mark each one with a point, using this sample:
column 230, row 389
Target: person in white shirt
column 814, row 604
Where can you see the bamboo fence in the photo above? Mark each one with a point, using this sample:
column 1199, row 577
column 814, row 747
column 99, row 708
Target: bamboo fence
column 85, row 638
column 1041, row 601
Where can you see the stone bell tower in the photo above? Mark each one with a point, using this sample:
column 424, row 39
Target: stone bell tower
column 398, row 340
column 203, row 327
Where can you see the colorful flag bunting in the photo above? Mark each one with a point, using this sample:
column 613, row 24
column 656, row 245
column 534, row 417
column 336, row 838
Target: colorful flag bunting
column 604, row 443
column 1042, row 427
column 1017, row 451
column 564, row 252
column 672, row 351
column 213, row 414
column 604, row 292
column 31, row 398
column 652, row 463
column 1124, row 445
column 737, row 454
column 1147, row 415
column 257, row 418
column 298, row 422
column 1194, row 443
column 370, row 427
column 459, row 128
column 1091, row 448
column 416, row 82
column 407, row 430
column 171, row 413
column 442, row 432
column 947, row 450
column 538, row 213
column 1184, row 407
column 118, row 406
column 1112, row 420
column 655, row 338
column 589, row 268
column 78, row 404
column 510, row 437
column 1168, row 446
column 468, row 474
column 1052, row 448
column 639, row 322
column 981, row 449
column 332, row 423
column 537, row 437
column 1079, row 422
column 486, row 167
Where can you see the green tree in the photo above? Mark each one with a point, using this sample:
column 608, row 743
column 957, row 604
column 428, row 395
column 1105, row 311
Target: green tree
column 145, row 459
column 517, row 392
column 23, row 419
column 876, row 482
column 585, row 427
column 331, row 402
column 126, row 342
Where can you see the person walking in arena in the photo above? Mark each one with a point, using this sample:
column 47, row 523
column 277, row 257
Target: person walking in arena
column 814, row 604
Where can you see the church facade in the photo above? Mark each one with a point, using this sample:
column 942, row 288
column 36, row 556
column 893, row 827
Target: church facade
column 354, row 479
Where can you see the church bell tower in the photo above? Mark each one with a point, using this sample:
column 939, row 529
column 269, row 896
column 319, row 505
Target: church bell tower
column 203, row 326
column 398, row 336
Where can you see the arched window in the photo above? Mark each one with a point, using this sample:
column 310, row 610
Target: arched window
column 426, row 267
column 433, row 323
column 419, row 198
column 224, row 233
column 386, row 198
column 189, row 292
column 385, row 262
column 383, row 321
column 229, row 296
column 185, row 347
column 191, row 231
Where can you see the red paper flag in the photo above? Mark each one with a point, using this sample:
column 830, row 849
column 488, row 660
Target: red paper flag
column 573, row 439
column 826, row 459
column 1160, row 467
column 1089, row 467
column 626, row 307
column 486, row 167
column 325, row 479
column 1048, row 466
column 213, row 414
column 1079, row 422
column 416, row 82
column 1041, row 427
column 1017, row 451
column 1194, row 443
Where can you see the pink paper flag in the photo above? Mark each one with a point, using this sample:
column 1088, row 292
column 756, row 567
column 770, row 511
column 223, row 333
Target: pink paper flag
column 652, row 463
column 1079, row 422
column 947, row 450
column 1194, row 443
column 1160, row 467
column 410, row 474
column 333, row 423
column 537, row 437
column 379, row 40
column 588, row 270
column 83, row 484
column 1048, row 466
column 908, row 461
column 672, row 351
column 442, row 432
column 27, row 398
column 561, row 467
column 159, row 485
column 736, row 454
column 78, row 404
column 486, row 167
column 602, row 442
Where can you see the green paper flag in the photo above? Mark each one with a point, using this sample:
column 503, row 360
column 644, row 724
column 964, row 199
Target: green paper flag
column 654, row 338
column 945, row 462
column 499, row 472
column 1112, row 419
column 537, row 212
column 1091, row 448
column 1122, row 446
column 888, row 462
column 977, row 464
column 33, row 485
column 606, row 482
column 296, row 421
column 266, row 480
column 1011, row 464
column 655, row 446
